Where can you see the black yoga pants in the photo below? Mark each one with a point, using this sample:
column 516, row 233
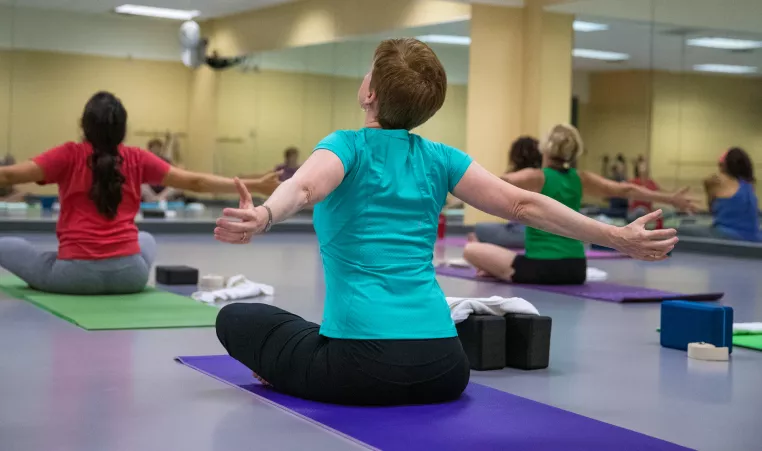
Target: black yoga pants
column 290, row 354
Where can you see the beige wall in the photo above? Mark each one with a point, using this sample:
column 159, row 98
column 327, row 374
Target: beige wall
column 257, row 115
column 49, row 90
column 260, row 114
column 682, row 121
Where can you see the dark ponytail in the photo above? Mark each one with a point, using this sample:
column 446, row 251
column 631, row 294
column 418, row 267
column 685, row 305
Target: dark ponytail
column 104, row 123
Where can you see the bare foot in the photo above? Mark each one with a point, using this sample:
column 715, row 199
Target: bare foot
column 482, row 273
column 262, row 381
column 471, row 238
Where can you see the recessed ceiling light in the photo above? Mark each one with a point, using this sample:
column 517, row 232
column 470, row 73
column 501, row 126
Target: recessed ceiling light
column 600, row 55
column 725, row 68
column 151, row 11
column 724, row 43
column 445, row 39
column 583, row 26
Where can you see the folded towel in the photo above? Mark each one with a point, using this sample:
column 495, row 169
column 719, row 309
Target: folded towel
column 461, row 308
column 596, row 275
column 747, row 329
column 237, row 287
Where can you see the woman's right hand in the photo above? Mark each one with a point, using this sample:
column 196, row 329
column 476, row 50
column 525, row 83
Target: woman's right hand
column 643, row 244
column 683, row 201
column 268, row 183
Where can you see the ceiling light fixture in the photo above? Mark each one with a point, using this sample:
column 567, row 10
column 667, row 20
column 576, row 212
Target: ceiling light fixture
column 725, row 68
column 600, row 55
column 724, row 43
column 151, row 11
column 445, row 39
column 585, row 27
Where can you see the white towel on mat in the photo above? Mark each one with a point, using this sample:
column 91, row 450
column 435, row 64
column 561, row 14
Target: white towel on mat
column 596, row 275
column 237, row 287
column 461, row 308
column 747, row 328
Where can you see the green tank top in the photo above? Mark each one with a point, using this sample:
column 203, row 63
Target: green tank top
column 565, row 187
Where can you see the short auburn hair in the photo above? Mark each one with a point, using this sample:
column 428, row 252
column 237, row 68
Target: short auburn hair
column 409, row 82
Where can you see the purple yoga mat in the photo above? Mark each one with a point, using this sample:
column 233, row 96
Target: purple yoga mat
column 482, row 419
column 591, row 254
column 600, row 291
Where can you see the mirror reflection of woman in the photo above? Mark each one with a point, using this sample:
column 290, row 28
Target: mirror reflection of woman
column 732, row 201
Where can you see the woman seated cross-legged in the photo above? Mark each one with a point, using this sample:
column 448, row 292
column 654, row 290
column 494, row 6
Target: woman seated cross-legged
column 552, row 258
column 387, row 336
column 100, row 250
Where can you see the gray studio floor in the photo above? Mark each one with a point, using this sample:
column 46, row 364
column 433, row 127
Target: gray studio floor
column 62, row 388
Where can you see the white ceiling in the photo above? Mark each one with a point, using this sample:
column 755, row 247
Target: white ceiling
column 208, row 8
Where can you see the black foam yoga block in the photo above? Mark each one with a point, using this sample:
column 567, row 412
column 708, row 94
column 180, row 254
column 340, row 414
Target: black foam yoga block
column 527, row 341
column 154, row 214
column 483, row 339
column 176, row 275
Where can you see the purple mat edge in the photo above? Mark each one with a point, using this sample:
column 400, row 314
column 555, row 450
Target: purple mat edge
column 449, row 271
column 591, row 254
column 190, row 362
column 183, row 361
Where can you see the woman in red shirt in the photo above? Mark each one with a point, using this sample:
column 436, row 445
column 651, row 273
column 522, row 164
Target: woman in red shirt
column 100, row 250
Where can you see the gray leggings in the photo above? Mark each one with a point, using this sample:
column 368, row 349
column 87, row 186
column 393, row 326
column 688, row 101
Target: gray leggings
column 510, row 236
column 45, row 272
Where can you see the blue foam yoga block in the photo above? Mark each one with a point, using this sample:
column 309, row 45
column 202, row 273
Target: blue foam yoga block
column 684, row 322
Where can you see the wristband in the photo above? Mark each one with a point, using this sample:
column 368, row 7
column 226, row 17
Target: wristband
column 269, row 218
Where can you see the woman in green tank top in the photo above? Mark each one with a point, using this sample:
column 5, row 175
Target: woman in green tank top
column 552, row 259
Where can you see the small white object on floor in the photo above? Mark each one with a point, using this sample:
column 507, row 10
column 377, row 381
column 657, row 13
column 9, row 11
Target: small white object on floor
column 170, row 214
column 596, row 275
column 706, row 351
column 211, row 282
column 237, row 287
column 458, row 263
column 461, row 308
column 747, row 328
column 195, row 207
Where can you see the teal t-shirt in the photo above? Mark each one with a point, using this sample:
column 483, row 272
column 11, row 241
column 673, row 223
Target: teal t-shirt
column 377, row 231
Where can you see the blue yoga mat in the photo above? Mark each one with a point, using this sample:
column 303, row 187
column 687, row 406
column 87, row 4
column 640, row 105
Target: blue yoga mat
column 482, row 419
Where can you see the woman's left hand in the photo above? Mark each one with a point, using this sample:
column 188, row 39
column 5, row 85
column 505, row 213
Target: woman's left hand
column 253, row 220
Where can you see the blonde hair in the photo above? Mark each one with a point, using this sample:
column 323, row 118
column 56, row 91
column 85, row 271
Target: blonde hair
column 563, row 145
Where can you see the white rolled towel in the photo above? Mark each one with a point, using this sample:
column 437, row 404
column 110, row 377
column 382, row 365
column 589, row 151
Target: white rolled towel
column 462, row 308
column 237, row 287
column 747, row 328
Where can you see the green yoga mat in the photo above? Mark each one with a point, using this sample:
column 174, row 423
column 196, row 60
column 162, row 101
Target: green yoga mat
column 744, row 340
column 151, row 309
column 748, row 341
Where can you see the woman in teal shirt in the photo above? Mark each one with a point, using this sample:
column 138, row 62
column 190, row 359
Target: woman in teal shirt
column 387, row 336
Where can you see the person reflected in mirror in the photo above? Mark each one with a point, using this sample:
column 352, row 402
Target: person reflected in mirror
column 732, row 200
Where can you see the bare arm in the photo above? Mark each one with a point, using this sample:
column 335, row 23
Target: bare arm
column 316, row 178
column 488, row 193
column 710, row 188
column 207, row 183
column 26, row 172
column 599, row 186
column 530, row 179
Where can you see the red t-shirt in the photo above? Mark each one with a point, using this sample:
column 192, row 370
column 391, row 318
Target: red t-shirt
column 649, row 184
column 83, row 233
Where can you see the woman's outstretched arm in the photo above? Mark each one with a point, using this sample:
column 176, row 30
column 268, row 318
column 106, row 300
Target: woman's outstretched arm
column 207, row 183
column 316, row 178
column 596, row 185
column 488, row 193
